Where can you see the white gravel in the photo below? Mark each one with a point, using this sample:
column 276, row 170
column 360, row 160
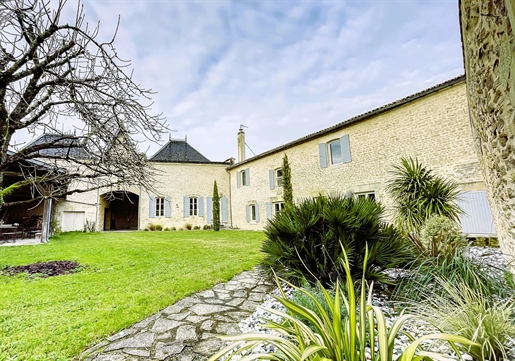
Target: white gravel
column 492, row 258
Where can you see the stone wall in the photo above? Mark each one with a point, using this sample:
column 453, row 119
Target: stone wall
column 434, row 128
column 489, row 50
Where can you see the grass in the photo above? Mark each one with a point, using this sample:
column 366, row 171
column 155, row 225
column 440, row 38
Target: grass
column 127, row 277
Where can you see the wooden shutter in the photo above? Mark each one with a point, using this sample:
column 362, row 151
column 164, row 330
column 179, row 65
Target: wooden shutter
column 345, row 147
column 247, row 208
column 200, row 206
column 224, row 209
column 257, row 212
column 322, row 152
column 209, row 209
column 271, row 178
column 152, row 207
column 186, row 207
column 168, row 207
column 238, row 179
column 247, row 176
column 268, row 210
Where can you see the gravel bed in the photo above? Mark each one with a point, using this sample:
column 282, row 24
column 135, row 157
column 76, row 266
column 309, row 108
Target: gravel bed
column 490, row 258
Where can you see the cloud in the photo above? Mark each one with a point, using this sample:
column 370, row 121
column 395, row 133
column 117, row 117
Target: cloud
column 284, row 69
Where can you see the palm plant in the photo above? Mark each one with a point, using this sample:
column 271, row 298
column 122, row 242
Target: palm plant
column 360, row 334
column 304, row 240
column 466, row 311
column 419, row 194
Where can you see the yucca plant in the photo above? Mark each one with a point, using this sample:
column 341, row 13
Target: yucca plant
column 465, row 311
column 455, row 268
column 334, row 337
column 419, row 194
column 304, row 240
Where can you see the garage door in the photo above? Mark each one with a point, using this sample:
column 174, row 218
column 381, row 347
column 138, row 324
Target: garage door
column 73, row 221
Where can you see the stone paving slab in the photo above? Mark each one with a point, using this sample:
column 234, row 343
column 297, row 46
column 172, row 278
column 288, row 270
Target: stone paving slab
column 189, row 329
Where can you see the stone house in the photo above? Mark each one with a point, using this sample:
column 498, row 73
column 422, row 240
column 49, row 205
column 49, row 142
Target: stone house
column 355, row 155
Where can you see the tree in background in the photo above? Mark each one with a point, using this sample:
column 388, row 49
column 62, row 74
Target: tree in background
column 56, row 75
column 216, row 208
column 286, row 182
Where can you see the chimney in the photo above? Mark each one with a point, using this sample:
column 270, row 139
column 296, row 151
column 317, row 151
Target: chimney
column 241, row 144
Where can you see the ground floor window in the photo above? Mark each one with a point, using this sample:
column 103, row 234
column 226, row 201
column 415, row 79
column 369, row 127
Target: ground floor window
column 193, row 206
column 278, row 207
column 253, row 212
column 366, row 195
column 160, row 206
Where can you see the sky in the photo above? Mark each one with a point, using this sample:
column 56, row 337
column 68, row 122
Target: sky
column 284, row 69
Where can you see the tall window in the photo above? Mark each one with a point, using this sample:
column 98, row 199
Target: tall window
column 335, row 152
column 278, row 207
column 368, row 195
column 193, row 206
column 160, row 206
column 279, row 177
column 243, row 175
column 253, row 212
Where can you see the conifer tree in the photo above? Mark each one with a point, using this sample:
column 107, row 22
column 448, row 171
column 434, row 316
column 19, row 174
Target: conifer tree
column 216, row 208
column 287, row 187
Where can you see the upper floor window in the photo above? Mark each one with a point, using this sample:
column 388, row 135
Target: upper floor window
column 243, row 178
column 334, row 152
column 279, row 177
column 193, row 206
column 160, row 206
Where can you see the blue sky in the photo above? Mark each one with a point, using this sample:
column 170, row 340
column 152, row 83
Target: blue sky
column 283, row 68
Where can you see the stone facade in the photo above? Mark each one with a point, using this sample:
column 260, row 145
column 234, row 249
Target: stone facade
column 434, row 128
column 489, row 50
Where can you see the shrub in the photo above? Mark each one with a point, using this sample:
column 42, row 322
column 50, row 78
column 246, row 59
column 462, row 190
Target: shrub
column 465, row 311
column 166, row 229
column 159, row 227
column 151, row 227
column 196, row 227
column 338, row 338
column 206, row 227
column 216, row 208
column 303, row 241
column 419, row 194
column 456, row 269
column 188, row 226
column 173, row 229
column 439, row 237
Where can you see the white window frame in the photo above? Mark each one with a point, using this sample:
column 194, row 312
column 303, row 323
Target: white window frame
column 277, row 207
column 330, row 151
column 278, row 177
column 253, row 212
column 243, row 178
column 369, row 195
column 160, row 206
column 193, row 206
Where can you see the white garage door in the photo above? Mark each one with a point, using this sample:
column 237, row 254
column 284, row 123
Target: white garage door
column 73, row 221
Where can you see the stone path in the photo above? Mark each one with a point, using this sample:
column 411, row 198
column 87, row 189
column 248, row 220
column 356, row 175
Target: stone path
column 189, row 329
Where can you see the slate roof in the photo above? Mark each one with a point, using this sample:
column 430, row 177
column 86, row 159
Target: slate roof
column 179, row 151
column 358, row 118
column 70, row 147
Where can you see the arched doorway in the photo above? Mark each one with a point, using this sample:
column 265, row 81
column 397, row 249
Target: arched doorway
column 120, row 210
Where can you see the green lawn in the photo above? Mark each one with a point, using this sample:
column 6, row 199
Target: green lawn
column 128, row 276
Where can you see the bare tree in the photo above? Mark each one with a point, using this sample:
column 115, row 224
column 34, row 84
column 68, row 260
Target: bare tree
column 56, row 74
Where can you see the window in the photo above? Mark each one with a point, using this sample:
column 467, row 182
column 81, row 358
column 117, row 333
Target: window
column 335, row 152
column 253, row 212
column 193, row 206
column 243, row 178
column 279, row 177
column 160, row 206
column 365, row 195
column 278, row 207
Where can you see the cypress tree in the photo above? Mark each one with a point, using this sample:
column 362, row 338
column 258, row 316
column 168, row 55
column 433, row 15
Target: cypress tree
column 287, row 187
column 216, row 208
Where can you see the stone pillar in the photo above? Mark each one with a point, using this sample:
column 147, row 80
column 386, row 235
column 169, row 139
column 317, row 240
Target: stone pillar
column 489, row 52
column 241, row 145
